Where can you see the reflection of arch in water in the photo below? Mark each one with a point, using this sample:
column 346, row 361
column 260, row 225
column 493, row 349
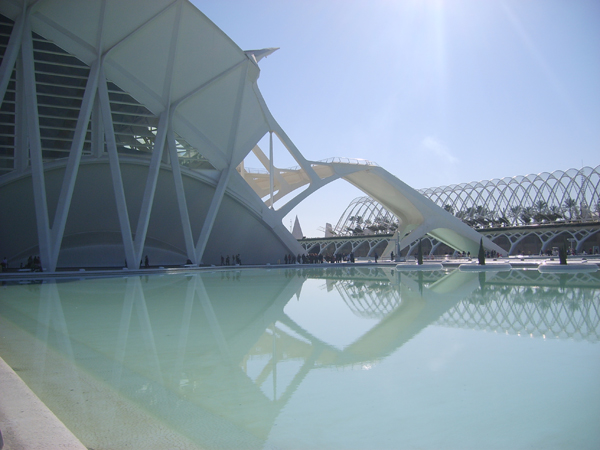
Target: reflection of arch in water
column 540, row 311
column 136, row 314
column 534, row 277
column 374, row 299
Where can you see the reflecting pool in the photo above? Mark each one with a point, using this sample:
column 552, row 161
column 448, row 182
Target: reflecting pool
column 350, row 358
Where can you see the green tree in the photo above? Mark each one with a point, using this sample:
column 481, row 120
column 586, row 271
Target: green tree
column 481, row 254
column 562, row 254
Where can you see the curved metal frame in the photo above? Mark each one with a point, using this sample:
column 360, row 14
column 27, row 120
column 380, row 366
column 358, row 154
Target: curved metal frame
column 560, row 196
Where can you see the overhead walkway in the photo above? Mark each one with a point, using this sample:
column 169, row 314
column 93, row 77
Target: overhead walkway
column 417, row 215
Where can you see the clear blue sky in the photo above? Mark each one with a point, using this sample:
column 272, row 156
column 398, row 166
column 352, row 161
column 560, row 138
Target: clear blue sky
column 436, row 92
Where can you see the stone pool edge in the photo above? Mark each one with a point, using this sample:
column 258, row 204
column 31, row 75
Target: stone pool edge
column 26, row 422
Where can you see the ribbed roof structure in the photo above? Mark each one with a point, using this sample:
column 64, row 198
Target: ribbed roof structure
column 548, row 197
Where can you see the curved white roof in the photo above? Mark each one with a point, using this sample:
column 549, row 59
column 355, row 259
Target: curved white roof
column 165, row 54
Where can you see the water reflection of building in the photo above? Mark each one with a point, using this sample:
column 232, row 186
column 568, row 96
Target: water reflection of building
column 172, row 346
column 543, row 309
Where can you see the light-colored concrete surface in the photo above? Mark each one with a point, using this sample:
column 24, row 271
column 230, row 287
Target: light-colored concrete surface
column 26, row 423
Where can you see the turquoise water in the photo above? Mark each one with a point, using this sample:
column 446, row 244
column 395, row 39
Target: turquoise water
column 313, row 359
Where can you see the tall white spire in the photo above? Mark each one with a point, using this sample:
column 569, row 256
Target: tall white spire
column 297, row 231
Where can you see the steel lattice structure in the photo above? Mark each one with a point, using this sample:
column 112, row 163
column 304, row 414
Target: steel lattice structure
column 560, row 196
column 572, row 195
column 365, row 216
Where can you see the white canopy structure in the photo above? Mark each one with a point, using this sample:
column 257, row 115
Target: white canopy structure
column 123, row 132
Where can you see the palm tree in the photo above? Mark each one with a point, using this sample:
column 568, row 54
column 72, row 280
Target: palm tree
column 515, row 212
column 526, row 214
column 481, row 253
column 554, row 213
column 571, row 206
column 541, row 209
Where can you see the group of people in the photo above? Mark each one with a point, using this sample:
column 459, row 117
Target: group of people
column 316, row 258
column 235, row 260
column 340, row 257
column 33, row 263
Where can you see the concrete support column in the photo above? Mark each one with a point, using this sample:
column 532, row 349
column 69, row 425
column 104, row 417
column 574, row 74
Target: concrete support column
column 35, row 148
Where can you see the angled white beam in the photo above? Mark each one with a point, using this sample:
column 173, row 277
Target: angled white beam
column 151, row 181
column 11, row 53
column 97, row 143
column 232, row 143
column 21, row 148
column 271, row 167
column 266, row 162
column 283, row 137
column 211, row 215
column 215, row 203
column 140, row 27
column 207, row 84
column 213, row 321
column 97, row 130
column 184, row 329
column 314, row 186
column 181, row 200
column 123, row 333
column 66, row 192
column 164, row 124
column 35, row 147
column 115, row 170
column 146, row 325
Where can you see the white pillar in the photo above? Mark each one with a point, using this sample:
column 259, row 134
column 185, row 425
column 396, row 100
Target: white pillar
column 11, row 53
column 21, row 147
column 72, row 168
column 181, row 199
column 151, row 181
column 271, row 165
column 211, row 215
column 115, row 170
column 35, row 148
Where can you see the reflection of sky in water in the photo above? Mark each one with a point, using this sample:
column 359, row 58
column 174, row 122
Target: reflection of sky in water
column 312, row 360
column 327, row 316
column 451, row 388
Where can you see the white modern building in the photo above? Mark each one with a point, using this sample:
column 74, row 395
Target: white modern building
column 124, row 129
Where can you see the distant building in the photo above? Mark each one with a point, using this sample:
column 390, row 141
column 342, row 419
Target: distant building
column 297, row 230
column 567, row 202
